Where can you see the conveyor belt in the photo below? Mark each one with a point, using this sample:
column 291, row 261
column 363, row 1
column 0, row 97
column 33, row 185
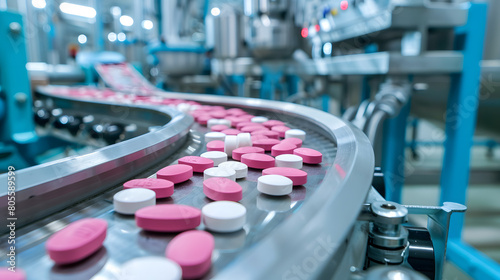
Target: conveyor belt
column 279, row 232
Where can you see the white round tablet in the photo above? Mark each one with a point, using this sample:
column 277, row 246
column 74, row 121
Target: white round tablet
column 296, row 133
column 212, row 122
column 225, row 122
column 259, row 119
column 230, row 143
column 274, row 185
column 241, row 169
column 288, row 160
column 217, row 156
column 183, row 107
column 130, row 200
column 219, row 172
column 151, row 268
column 244, row 140
column 224, row 216
column 212, row 136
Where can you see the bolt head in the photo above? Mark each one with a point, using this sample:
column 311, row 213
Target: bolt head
column 15, row 28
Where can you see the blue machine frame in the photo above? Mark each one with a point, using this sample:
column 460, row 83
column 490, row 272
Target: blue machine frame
column 460, row 124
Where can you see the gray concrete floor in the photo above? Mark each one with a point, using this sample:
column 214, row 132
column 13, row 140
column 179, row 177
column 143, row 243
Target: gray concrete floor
column 482, row 219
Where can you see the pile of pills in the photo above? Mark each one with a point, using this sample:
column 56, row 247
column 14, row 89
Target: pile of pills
column 254, row 142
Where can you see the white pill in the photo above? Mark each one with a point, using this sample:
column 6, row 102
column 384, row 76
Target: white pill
column 296, row 133
column 230, row 143
column 212, row 122
column 274, row 185
column 217, row 156
column 287, row 160
column 244, row 140
column 212, row 136
column 151, row 268
column 225, row 122
column 183, row 107
column 130, row 200
column 241, row 169
column 224, row 216
column 259, row 119
column 219, row 172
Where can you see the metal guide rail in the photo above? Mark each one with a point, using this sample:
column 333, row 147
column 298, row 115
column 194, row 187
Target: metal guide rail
column 279, row 231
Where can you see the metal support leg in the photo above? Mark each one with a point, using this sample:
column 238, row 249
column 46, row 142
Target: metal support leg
column 393, row 153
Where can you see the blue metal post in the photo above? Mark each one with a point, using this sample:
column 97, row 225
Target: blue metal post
column 460, row 124
column 393, row 153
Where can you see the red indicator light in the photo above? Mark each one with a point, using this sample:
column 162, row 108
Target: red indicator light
column 317, row 27
column 344, row 5
column 304, row 32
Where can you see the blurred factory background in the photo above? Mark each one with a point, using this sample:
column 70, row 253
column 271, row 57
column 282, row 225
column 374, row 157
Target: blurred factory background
column 418, row 67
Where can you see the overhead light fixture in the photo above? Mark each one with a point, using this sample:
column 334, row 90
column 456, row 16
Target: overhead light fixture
column 215, row 11
column 82, row 39
column 112, row 36
column 126, row 20
column 122, row 37
column 39, row 4
column 147, row 24
column 77, row 10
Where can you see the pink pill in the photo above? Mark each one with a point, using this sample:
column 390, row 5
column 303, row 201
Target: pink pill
column 270, row 123
column 219, row 188
column 267, row 133
column 168, row 218
column 235, row 112
column 281, row 129
column 77, row 241
column 231, row 131
column 176, row 173
column 265, row 144
column 202, row 120
column 162, row 188
column 235, row 120
column 216, row 108
column 257, row 161
column 282, row 149
column 6, row 274
column 216, row 145
column 258, row 137
column 309, row 156
column 240, row 125
column 252, row 128
column 192, row 251
column 199, row 164
column 295, row 141
column 218, row 114
column 237, row 153
column 298, row 177
column 219, row 127
column 247, row 117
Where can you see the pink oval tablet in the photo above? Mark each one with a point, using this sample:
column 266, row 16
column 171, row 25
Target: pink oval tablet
column 240, row 125
column 257, row 161
column 267, row 133
column 298, row 177
column 199, row 164
column 265, row 144
column 219, row 188
column 235, row 112
column 270, row 123
column 282, row 149
column 238, row 152
column 162, row 188
column 235, row 120
column 231, row 131
column 218, row 114
column 281, row 129
column 295, row 141
column 258, row 137
column 252, row 128
column 216, row 108
column 168, row 218
column 203, row 119
column 192, row 250
column 6, row 274
column 247, row 117
column 77, row 241
column 176, row 173
column 216, row 145
column 309, row 156
column 219, row 127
